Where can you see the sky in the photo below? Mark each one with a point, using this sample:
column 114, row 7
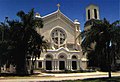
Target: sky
column 74, row 9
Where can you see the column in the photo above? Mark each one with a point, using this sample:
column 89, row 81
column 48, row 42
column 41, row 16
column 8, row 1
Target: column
column 70, row 64
column 43, row 65
column 67, row 63
column 77, row 64
column 53, row 65
column 58, row 65
column 56, row 68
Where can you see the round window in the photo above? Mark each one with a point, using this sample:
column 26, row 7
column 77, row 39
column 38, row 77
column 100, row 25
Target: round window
column 58, row 36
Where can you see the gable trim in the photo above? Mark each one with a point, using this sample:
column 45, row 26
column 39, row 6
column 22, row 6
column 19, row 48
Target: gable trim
column 59, row 12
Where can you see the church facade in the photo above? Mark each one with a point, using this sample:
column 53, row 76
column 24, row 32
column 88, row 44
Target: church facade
column 64, row 51
column 64, row 44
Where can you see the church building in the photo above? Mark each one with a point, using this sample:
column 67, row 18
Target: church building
column 64, row 51
column 63, row 36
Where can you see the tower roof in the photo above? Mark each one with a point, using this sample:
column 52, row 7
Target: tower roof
column 37, row 15
column 91, row 5
column 76, row 21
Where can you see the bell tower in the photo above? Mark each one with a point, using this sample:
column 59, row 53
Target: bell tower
column 92, row 15
column 92, row 12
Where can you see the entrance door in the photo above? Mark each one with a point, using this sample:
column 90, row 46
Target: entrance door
column 48, row 65
column 62, row 65
column 74, row 65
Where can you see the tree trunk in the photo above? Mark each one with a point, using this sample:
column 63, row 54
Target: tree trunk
column 109, row 70
column 109, row 73
column 21, row 67
column 32, row 70
column 109, row 60
column 32, row 66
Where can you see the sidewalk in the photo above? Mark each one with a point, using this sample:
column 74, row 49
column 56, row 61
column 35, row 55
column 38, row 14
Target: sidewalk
column 79, row 74
column 45, row 77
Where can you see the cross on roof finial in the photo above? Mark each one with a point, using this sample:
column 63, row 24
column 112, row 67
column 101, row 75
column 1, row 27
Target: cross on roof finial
column 58, row 5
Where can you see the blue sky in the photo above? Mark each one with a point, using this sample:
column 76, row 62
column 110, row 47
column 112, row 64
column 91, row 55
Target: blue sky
column 74, row 9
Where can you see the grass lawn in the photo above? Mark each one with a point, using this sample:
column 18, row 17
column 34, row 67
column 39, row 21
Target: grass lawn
column 113, row 79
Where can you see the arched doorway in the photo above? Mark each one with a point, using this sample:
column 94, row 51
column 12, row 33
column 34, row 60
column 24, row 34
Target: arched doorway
column 48, row 65
column 74, row 62
column 62, row 65
column 49, row 62
column 62, row 59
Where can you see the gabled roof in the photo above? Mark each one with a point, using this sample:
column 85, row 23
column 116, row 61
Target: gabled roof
column 59, row 12
column 49, row 14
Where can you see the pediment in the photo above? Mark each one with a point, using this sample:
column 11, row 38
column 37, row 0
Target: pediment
column 58, row 22
column 62, row 49
column 57, row 14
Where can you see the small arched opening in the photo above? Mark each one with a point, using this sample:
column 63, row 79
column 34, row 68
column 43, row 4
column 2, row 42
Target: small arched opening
column 74, row 62
column 49, row 62
column 62, row 58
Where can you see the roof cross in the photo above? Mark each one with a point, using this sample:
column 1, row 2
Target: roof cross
column 58, row 5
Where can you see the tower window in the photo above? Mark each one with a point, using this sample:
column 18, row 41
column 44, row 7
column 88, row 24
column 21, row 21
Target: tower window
column 88, row 14
column 95, row 13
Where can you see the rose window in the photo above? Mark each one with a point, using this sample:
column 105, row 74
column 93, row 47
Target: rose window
column 58, row 36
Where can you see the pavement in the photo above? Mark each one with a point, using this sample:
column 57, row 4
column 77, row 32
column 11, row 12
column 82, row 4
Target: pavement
column 49, row 77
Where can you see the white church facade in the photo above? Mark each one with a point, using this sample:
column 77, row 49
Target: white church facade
column 64, row 51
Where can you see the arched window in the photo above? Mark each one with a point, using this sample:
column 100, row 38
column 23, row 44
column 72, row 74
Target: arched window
column 95, row 13
column 74, row 57
column 61, row 56
column 88, row 14
column 48, row 57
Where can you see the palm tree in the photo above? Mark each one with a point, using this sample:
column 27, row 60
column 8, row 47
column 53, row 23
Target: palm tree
column 36, row 45
column 106, row 38
column 24, row 40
